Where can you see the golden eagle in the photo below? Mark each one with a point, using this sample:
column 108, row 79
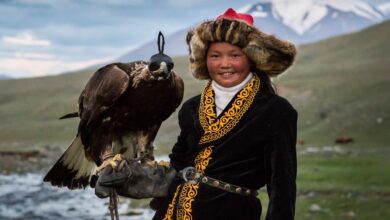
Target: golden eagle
column 121, row 109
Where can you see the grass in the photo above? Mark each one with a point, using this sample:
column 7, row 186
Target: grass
column 341, row 206
column 340, row 87
column 364, row 173
column 351, row 186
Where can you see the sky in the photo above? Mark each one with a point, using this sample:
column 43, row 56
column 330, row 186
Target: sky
column 43, row 37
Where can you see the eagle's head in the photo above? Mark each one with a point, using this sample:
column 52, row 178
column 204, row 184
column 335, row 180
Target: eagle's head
column 160, row 66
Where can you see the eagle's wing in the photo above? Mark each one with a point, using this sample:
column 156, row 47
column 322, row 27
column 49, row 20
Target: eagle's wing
column 178, row 84
column 101, row 91
column 100, row 94
column 75, row 167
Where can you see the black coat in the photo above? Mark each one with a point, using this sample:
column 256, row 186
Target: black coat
column 258, row 151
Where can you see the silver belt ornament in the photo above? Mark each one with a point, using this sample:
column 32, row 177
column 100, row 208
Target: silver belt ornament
column 191, row 176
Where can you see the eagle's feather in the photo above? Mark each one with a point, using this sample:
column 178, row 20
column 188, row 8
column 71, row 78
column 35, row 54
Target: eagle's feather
column 121, row 107
column 73, row 169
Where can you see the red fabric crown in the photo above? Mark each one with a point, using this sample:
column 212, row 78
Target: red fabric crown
column 233, row 15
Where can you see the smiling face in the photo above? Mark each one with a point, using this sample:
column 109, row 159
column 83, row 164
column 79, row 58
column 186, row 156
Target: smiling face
column 227, row 64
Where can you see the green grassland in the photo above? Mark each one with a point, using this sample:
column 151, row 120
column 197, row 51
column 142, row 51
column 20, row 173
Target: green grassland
column 30, row 108
column 345, row 81
column 339, row 86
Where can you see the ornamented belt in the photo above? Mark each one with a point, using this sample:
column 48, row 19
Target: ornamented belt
column 190, row 175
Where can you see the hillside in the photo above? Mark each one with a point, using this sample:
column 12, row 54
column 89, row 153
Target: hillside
column 339, row 86
column 344, row 86
column 30, row 108
column 4, row 76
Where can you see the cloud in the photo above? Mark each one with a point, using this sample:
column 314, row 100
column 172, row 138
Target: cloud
column 33, row 55
column 25, row 39
column 385, row 8
column 21, row 67
column 185, row 4
column 117, row 2
column 38, row 37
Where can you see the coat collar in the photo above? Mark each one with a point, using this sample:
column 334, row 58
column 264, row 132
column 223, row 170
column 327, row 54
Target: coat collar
column 214, row 128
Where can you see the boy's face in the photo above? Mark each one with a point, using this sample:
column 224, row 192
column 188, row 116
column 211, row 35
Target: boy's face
column 227, row 64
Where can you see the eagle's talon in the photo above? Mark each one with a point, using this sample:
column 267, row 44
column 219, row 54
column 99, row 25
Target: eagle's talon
column 117, row 157
column 151, row 163
column 112, row 161
column 113, row 164
column 164, row 163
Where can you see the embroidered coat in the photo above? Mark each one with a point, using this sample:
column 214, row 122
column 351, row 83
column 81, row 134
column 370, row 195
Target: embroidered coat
column 250, row 144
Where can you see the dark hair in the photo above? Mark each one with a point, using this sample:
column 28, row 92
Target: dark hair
column 266, row 83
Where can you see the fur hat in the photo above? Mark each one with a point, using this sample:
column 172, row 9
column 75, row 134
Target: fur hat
column 267, row 53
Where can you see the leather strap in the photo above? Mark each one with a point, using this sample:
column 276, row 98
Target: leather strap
column 190, row 175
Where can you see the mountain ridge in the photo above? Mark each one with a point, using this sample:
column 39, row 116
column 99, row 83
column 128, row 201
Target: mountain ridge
column 4, row 76
column 304, row 17
column 334, row 23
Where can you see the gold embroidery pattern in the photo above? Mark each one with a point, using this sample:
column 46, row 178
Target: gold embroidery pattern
column 171, row 206
column 187, row 196
column 202, row 159
column 190, row 191
column 215, row 128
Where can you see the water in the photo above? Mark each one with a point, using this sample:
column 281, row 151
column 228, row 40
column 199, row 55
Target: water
column 25, row 196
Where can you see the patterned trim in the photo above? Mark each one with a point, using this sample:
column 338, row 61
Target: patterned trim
column 190, row 191
column 215, row 128
column 202, row 159
column 171, row 206
column 187, row 196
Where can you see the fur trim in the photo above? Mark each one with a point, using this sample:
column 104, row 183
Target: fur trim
column 267, row 53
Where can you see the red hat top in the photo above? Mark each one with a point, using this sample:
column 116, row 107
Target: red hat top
column 233, row 15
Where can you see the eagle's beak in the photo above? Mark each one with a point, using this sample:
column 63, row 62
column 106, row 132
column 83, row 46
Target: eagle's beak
column 163, row 70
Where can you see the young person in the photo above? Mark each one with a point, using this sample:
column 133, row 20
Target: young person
column 237, row 136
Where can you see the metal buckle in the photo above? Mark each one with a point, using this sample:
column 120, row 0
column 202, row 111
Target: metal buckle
column 190, row 175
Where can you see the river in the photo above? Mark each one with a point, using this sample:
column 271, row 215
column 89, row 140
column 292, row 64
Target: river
column 25, row 196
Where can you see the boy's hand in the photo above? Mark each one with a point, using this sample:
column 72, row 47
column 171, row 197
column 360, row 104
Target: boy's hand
column 136, row 180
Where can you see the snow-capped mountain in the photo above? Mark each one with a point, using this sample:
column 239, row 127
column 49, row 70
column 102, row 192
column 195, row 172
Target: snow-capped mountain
column 304, row 21
column 301, row 21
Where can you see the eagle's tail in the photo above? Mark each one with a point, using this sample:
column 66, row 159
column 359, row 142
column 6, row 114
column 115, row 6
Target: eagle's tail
column 70, row 115
column 73, row 169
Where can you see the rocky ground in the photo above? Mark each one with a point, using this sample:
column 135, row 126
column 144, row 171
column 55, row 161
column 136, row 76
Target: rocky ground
column 28, row 161
column 22, row 172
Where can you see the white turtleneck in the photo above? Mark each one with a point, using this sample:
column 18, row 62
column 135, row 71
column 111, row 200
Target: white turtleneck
column 223, row 95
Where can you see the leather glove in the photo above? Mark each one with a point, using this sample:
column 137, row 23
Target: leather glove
column 137, row 180
column 113, row 177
